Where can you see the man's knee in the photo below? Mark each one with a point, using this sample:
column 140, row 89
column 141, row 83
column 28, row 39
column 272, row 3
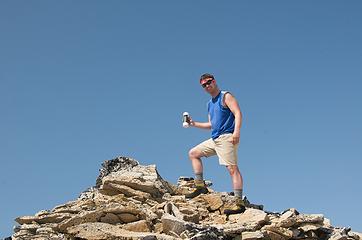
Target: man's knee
column 195, row 153
column 232, row 169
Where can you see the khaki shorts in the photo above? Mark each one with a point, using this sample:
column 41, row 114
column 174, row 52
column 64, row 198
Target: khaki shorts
column 222, row 147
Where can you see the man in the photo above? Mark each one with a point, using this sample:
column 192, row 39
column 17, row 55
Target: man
column 225, row 122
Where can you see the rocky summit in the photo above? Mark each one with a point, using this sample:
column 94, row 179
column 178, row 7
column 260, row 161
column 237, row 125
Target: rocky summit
column 132, row 201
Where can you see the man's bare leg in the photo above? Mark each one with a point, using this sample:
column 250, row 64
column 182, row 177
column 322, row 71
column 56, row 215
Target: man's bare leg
column 236, row 178
column 195, row 157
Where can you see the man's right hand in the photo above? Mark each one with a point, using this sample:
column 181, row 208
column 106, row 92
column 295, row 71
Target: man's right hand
column 191, row 122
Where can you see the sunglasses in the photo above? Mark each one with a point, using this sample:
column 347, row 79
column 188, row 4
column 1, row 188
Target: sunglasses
column 204, row 85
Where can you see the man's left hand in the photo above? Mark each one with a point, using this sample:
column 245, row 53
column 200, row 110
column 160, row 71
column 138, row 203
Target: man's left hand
column 236, row 138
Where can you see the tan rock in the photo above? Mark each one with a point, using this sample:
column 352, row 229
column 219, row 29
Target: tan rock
column 109, row 191
column 158, row 228
column 105, row 231
column 54, row 218
column 125, row 205
column 274, row 236
column 289, row 213
column 296, row 232
column 119, row 208
column 29, row 227
column 42, row 213
column 203, row 212
column 139, row 226
column 250, row 220
column 355, row 235
column 126, row 213
column 93, row 231
column 44, row 218
column 190, row 213
column 171, row 209
column 286, row 223
column 159, row 213
column 310, row 218
column 84, row 217
column 279, row 230
column 26, row 219
column 327, row 223
column 127, row 217
column 46, row 237
column 213, row 201
column 187, row 209
column 253, row 216
column 110, row 218
column 338, row 236
column 72, row 211
column 44, row 230
column 172, row 224
column 23, row 234
column 287, row 219
column 148, row 215
column 305, row 227
column 235, row 228
column 150, row 202
column 127, row 191
column 218, row 219
column 67, row 205
column 252, row 235
column 178, row 198
column 80, row 205
column 193, row 217
column 141, row 178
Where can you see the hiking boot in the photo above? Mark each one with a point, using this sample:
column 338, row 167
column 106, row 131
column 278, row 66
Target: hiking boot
column 200, row 189
column 237, row 207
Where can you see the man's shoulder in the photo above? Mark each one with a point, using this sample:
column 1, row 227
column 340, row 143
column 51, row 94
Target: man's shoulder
column 226, row 94
column 225, row 91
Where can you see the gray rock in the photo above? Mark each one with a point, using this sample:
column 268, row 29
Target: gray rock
column 114, row 165
column 140, row 178
column 172, row 224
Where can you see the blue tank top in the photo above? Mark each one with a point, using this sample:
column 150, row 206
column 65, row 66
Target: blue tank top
column 222, row 119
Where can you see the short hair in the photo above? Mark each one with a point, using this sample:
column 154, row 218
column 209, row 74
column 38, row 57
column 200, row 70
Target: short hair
column 206, row 76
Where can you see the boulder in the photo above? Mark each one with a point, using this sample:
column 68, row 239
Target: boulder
column 127, row 172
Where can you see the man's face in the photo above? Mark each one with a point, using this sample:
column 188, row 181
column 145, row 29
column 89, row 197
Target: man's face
column 208, row 84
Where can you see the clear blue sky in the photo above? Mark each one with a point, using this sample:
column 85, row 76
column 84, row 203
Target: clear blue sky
column 86, row 81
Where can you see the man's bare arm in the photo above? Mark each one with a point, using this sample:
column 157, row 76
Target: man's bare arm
column 232, row 104
column 203, row 125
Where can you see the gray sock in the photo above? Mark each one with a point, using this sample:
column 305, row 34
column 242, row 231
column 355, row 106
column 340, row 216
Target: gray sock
column 199, row 176
column 238, row 193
